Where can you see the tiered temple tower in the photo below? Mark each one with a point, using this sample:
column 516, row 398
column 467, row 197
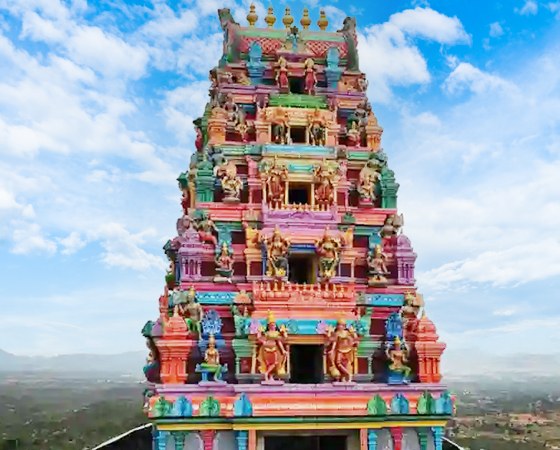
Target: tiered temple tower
column 290, row 318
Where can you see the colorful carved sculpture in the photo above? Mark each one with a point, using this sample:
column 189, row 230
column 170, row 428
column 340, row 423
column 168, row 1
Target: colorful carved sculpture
column 190, row 310
column 276, row 177
column 341, row 351
column 368, row 182
column 277, row 251
column 391, row 226
column 282, row 75
column 353, row 135
column 316, row 128
column 224, row 264
column 310, row 76
column 231, row 183
column 397, row 354
column 377, row 268
column 329, row 249
column 205, row 227
column 280, row 126
column 211, row 364
column 272, row 353
column 325, row 184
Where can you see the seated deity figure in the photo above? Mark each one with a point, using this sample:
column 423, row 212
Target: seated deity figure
column 367, row 183
column 353, row 135
column 232, row 111
column 397, row 354
column 341, row 351
column 231, row 183
column 277, row 251
column 211, row 362
column 224, row 264
column 272, row 354
column 190, row 310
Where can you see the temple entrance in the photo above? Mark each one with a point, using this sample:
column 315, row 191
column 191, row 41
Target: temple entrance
column 296, row 442
column 306, row 364
column 301, row 269
column 297, row 85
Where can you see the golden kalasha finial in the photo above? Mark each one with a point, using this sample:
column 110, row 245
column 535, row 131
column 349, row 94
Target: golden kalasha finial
column 288, row 20
column 270, row 318
column 270, row 19
column 305, row 20
column 252, row 16
column 323, row 22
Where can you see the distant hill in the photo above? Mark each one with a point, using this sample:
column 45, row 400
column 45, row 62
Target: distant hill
column 129, row 363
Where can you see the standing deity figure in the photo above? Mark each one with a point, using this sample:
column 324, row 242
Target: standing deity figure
column 277, row 251
column 224, row 263
column 272, row 354
column 368, row 180
column 341, row 351
column 310, row 76
column 276, row 178
column 397, row 354
column 211, row 362
column 377, row 267
column 329, row 249
column 190, row 309
column 316, row 128
column 231, row 183
column 280, row 127
column 353, row 135
column 282, row 75
column 325, row 184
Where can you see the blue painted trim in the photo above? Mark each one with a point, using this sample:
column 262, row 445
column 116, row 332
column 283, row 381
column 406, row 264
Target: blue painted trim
column 372, row 439
column 303, row 327
column 215, row 298
column 307, row 150
column 384, row 299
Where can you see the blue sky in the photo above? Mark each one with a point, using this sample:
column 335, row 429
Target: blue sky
column 96, row 110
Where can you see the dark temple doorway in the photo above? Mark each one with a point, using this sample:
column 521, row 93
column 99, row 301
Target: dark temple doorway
column 305, row 442
column 299, row 194
column 301, row 269
column 306, row 364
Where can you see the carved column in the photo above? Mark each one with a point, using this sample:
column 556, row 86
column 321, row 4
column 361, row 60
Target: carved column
column 364, row 439
column 423, row 438
column 242, row 439
column 179, row 439
column 438, row 437
column 208, row 439
column 372, row 439
column 161, row 439
column 252, row 444
column 397, row 434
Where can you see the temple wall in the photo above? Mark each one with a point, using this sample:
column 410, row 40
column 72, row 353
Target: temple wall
column 410, row 440
column 225, row 440
column 193, row 441
column 384, row 440
column 352, row 443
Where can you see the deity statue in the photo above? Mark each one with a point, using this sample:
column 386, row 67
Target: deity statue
column 368, row 180
column 282, row 75
column 353, row 135
column 231, row 183
column 199, row 139
column 325, row 184
column 277, row 251
column 224, row 264
column 316, row 128
column 272, row 354
column 412, row 305
column 362, row 84
column 240, row 316
column 397, row 354
column 377, row 269
column 310, row 76
column 190, row 310
column 232, row 111
column 276, row 178
column 205, row 227
column 391, row 226
column 280, row 127
column 342, row 351
column 329, row 249
column 211, row 362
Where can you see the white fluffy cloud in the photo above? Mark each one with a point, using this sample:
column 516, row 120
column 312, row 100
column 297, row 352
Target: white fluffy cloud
column 496, row 29
column 466, row 76
column 529, row 8
column 389, row 56
column 29, row 238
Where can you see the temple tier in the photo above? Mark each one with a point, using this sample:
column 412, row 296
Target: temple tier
column 290, row 314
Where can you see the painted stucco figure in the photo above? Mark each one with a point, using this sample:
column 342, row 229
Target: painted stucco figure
column 272, row 351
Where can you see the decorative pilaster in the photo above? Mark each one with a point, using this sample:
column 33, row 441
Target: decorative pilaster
column 253, row 440
column 208, row 438
column 162, row 440
column 438, row 437
column 389, row 188
column 397, row 434
column 363, row 439
column 242, row 439
column 179, row 439
column 372, row 439
column 423, row 438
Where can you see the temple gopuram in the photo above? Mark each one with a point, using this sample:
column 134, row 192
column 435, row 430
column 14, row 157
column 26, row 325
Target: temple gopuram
column 290, row 317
